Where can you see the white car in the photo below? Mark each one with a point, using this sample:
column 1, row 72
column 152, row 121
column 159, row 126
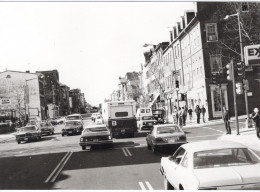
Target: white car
column 211, row 165
column 99, row 120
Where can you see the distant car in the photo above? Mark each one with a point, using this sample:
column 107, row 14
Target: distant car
column 99, row 120
column 94, row 115
column 74, row 117
column 95, row 135
column 28, row 133
column 54, row 121
column 145, row 122
column 46, row 128
column 72, row 128
column 60, row 120
column 159, row 116
column 211, row 165
column 165, row 135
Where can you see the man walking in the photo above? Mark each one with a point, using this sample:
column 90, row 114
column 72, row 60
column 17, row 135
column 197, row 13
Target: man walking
column 203, row 111
column 198, row 111
column 184, row 115
column 190, row 113
column 226, row 119
column 256, row 119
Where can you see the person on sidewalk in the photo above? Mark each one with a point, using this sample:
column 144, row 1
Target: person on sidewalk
column 180, row 113
column 226, row 119
column 203, row 111
column 256, row 119
column 198, row 111
column 190, row 113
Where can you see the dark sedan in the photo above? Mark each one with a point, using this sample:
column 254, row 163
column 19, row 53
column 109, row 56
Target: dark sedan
column 46, row 128
column 28, row 133
column 165, row 135
column 72, row 128
column 95, row 135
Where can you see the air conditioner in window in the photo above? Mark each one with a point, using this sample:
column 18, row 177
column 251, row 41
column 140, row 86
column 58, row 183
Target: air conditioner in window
column 212, row 37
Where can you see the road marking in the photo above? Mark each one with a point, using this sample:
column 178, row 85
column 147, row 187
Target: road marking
column 124, row 152
column 148, row 185
column 142, row 185
column 213, row 129
column 59, row 167
column 204, row 136
column 128, row 152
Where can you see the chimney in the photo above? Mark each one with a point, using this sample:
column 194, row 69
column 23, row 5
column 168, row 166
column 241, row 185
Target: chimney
column 27, row 71
column 174, row 32
column 189, row 15
column 182, row 22
column 178, row 25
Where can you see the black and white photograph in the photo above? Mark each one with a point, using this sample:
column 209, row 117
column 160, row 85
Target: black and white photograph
column 129, row 95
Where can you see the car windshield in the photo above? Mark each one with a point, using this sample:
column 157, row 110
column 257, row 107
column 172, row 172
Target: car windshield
column 148, row 118
column 31, row 128
column 224, row 158
column 45, row 124
column 95, row 129
column 72, row 123
column 168, row 129
column 73, row 117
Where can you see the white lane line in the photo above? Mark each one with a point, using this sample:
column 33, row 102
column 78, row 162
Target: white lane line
column 128, row 152
column 58, row 172
column 204, row 136
column 47, row 180
column 213, row 129
column 124, row 152
column 142, row 185
column 148, row 185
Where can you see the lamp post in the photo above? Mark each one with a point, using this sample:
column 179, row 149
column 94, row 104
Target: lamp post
column 27, row 96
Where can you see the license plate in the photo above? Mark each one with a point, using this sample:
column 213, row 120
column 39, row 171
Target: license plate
column 70, row 131
column 172, row 141
column 95, row 139
column 25, row 139
column 150, row 123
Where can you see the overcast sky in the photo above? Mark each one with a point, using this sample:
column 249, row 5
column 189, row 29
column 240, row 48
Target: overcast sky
column 91, row 44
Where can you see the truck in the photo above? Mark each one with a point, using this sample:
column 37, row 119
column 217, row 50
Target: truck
column 119, row 116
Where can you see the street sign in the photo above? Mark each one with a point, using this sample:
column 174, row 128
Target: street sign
column 252, row 54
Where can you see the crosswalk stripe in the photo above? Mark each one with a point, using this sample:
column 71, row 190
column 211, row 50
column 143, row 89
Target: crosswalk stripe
column 148, row 185
column 142, row 185
column 124, row 152
column 128, row 152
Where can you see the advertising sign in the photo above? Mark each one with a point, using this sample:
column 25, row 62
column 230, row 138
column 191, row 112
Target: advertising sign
column 252, row 54
column 5, row 101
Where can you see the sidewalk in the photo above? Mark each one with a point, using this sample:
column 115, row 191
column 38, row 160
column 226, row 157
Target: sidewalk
column 247, row 137
column 7, row 137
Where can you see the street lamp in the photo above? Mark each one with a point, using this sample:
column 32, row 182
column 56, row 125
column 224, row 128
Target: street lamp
column 241, row 56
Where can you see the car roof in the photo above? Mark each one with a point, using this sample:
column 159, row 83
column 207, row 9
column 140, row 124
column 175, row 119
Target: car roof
column 165, row 125
column 211, row 145
column 76, row 114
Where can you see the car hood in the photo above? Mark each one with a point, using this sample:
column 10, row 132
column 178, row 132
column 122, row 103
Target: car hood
column 89, row 134
column 233, row 175
column 24, row 132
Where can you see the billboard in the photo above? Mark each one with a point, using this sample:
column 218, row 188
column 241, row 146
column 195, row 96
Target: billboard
column 252, row 54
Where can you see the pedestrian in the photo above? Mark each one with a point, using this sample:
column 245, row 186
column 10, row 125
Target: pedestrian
column 190, row 113
column 198, row 111
column 180, row 117
column 226, row 119
column 203, row 111
column 176, row 115
column 256, row 119
column 184, row 115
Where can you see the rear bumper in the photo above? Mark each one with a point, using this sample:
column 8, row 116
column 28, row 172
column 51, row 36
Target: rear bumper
column 27, row 138
column 88, row 143
column 169, row 144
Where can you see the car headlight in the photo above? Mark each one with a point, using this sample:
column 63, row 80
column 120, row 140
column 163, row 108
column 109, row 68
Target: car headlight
column 109, row 137
column 81, row 139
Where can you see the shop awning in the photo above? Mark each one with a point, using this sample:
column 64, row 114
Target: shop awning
column 154, row 99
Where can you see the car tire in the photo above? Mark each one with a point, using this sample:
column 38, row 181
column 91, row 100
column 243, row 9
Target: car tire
column 62, row 134
column 52, row 133
column 167, row 185
column 18, row 142
column 83, row 147
column 148, row 145
column 39, row 138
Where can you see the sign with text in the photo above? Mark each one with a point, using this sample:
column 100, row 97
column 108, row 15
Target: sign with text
column 5, row 101
column 252, row 54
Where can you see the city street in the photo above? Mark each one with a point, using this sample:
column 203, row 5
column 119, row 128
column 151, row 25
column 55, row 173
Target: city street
column 58, row 162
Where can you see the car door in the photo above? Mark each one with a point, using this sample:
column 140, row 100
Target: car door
column 174, row 167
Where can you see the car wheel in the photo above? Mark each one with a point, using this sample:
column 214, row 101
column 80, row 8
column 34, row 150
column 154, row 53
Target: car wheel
column 154, row 149
column 167, row 185
column 52, row 132
column 62, row 134
column 39, row 138
column 18, row 142
column 148, row 146
column 83, row 147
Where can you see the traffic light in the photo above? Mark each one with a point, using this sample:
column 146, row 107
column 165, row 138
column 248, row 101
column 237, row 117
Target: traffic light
column 245, row 85
column 239, row 88
column 214, row 78
column 240, row 69
column 230, row 69
column 177, row 84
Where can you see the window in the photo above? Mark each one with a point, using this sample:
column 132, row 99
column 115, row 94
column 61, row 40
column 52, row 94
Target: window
column 178, row 155
column 121, row 114
column 215, row 62
column 185, row 161
column 211, row 32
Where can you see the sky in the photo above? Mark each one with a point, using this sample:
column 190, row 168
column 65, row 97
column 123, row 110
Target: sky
column 91, row 44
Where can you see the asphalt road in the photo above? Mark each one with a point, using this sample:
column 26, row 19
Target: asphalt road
column 58, row 162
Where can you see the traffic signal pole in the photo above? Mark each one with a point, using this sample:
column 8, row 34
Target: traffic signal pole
column 234, row 94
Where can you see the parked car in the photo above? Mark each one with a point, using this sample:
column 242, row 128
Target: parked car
column 159, row 115
column 211, row 165
column 72, row 128
column 46, row 128
column 75, row 117
column 95, row 135
column 99, row 120
column 145, row 123
column 28, row 133
column 165, row 135
column 54, row 121
column 60, row 120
